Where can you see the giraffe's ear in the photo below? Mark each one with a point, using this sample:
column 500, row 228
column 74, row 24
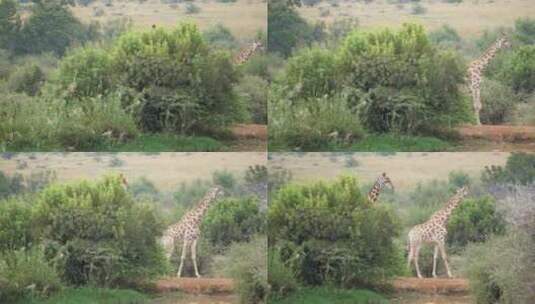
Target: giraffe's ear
column 384, row 174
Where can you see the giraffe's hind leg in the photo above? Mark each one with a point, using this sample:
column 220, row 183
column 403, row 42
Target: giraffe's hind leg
column 416, row 256
column 182, row 258
column 435, row 256
column 194, row 257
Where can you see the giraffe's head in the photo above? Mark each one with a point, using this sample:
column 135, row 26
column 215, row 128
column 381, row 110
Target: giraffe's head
column 384, row 180
column 258, row 45
column 217, row 192
column 462, row 192
column 503, row 42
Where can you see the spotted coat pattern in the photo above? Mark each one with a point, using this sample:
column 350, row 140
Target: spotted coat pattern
column 380, row 183
column 434, row 232
column 476, row 69
column 244, row 55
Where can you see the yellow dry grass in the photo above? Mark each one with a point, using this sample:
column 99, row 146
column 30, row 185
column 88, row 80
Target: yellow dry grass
column 469, row 18
column 244, row 17
column 405, row 169
column 165, row 170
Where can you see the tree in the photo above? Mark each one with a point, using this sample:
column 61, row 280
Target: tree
column 286, row 28
column 10, row 24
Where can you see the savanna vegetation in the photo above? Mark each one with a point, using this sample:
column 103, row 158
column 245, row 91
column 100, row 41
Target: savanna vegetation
column 90, row 86
column 328, row 242
column 345, row 87
column 88, row 241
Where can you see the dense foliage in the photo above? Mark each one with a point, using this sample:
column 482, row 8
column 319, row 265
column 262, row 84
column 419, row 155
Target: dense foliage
column 97, row 234
column 232, row 220
column 519, row 169
column 331, row 233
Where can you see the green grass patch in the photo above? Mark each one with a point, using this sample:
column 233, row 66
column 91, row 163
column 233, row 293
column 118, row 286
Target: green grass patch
column 163, row 142
column 378, row 143
column 323, row 295
column 167, row 143
column 400, row 143
column 88, row 295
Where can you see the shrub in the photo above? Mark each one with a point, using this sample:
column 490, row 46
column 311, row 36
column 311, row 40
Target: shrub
column 418, row 9
column 97, row 234
column 143, row 188
column 311, row 73
column 195, row 93
column 192, row 9
column 287, row 28
column 225, row 179
column 87, row 72
column 232, row 220
column 220, row 36
column 51, row 27
column 525, row 30
column 254, row 90
column 10, row 24
column 445, row 37
column 475, row 220
column 26, row 274
column 246, row 264
column 281, row 278
column 519, row 70
column 498, row 269
column 400, row 82
column 519, row 169
column 329, row 232
column 499, row 102
column 314, row 124
column 15, row 225
column 26, row 79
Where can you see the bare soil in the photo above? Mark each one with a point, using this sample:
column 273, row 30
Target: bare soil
column 499, row 133
column 249, row 137
column 208, row 286
column 417, row 298
column 432, row 285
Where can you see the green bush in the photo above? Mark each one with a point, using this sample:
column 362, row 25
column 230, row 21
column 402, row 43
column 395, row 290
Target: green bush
column 10, row 24
column 311, row 73
column 176, row 82
column 51, row 27
column 519, row 169
column 281, row 278
column 499, row 270
column 287, row 29
column 86, row 72
column 97, row 234
column 246, row 264
column 519, row 70
column 329, row 232
column 253, row 90
column 225, row 179
column 232, row 220
column 499, row 102
column 26, row 79
column 401, row 83
column 220, row 36
column 15, row 225
column 26, row 274
column 475, row 220
column 525, row 30
column 314, row 124
column 445, row 37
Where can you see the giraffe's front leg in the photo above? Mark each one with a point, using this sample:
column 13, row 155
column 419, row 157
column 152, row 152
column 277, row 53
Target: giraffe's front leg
column 194, row 257
column 182, row 257
column 416, row 256
column 445, row 258
column 435, row 255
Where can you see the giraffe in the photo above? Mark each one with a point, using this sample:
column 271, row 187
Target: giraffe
column 434, row 232
column 244, row 55
column 187, row 230
column 476, row 69
column 380, row 183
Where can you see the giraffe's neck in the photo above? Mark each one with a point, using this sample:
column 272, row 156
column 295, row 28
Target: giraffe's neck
column 483, row 61
column 373, row 195
column 441, row 217
column 244, row 56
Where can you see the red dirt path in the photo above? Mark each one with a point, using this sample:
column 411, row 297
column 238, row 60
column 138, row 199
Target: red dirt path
column 196, row 285
column 249, row 131
column 432, row 285
column 499, row 133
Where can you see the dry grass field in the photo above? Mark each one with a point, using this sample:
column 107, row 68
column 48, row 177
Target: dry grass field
column 405, row 169
column 165, row 170
column 469, row 18
column 243, row 17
